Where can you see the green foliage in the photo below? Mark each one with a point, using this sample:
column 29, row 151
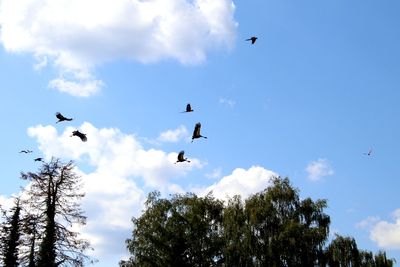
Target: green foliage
column 183, row 231
column 271, row 228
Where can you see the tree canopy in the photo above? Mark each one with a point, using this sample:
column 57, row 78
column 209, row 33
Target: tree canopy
column 274, row 227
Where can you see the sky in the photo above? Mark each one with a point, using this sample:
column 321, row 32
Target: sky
column 317, row 91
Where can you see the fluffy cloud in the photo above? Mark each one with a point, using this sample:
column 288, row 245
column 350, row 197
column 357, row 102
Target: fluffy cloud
column 241, row 182
column 174, row 136
column 215, row 174
column 318, row 169
column 117, row 171
column 117, row 164
column 75, row 36
column 385, row 234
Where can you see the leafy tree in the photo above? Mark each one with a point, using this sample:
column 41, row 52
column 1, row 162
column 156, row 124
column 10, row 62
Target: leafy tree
column 54, row 195
column 271, row 228
column 11, row 234
column 183, row 231
column 284, row 230
column 343, row 252
column 382, row 261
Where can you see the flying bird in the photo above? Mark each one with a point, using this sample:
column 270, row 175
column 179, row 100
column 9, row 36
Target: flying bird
column 26, row 151
column 61, row 118
column 181, row 157
column 252, row 39
column 39, row 159
column 188, row 108
column 196, row 132
column 82, row 136
column 368, row 153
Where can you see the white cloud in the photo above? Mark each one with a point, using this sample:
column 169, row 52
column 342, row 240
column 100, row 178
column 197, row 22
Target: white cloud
column 215, row 174
column 241, row 182
column 82, row 88
column 119, row 164
column 76, row 36
column 319, row 169
column 368, row 223
column 228, row 102
column 385, row 234
column 174, row 136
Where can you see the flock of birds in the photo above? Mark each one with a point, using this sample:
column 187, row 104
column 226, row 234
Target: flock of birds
column 60, row 118
column 83, row 137
column 181, row 155
column 196, row 134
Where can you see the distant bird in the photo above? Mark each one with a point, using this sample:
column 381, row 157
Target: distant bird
column 26, row 151
column 252, row 39
column 181, row 157
column 368, row 153
column 39, row 159
column 61, row 118
column 196, row 132
column 82, row 136
column 188, row 109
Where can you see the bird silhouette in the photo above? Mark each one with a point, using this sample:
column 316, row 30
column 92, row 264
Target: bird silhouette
column 181, row 157
column 26, row 151
column 38, row 159
column 252, row 39
column 188, row 108
column 196, row 132
column 82, row 136
column 368, row 153
column 61, row 118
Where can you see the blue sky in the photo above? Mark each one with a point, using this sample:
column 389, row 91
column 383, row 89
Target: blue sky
column 317, row 90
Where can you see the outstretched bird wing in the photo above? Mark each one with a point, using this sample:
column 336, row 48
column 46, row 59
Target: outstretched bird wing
column 197, row 128
column 82, row 136
column 60, row 116
column 180, row 156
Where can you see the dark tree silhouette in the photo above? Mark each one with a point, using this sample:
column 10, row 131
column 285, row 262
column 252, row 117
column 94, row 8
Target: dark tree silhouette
column 55, row 195
column 11, row 236
column 31, row 235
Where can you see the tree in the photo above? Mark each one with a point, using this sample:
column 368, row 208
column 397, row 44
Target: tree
column 54, row 194
column 183, row 231
column 271, row 228
column 11, row 234
column 284, row 230
column 343, row 252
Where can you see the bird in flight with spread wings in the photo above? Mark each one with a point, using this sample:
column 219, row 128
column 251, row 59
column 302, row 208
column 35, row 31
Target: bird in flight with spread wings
column 61, row 118
column 82, row 136
column 252, row 39
column 368, row 153
column 188, row 108
column 26, row 151
column 38, row 159
column 196, row 132
column 181, row 157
